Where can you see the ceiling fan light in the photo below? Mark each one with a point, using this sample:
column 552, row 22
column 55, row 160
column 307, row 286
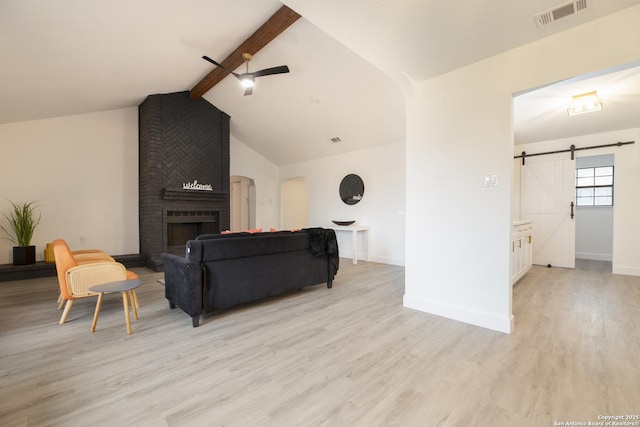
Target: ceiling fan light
column 585, row 103
column 247, row 82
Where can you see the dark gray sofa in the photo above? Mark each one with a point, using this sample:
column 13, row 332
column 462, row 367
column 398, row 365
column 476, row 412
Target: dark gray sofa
column 223, row 270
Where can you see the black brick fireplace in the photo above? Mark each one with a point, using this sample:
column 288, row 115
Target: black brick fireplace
column 184, row 173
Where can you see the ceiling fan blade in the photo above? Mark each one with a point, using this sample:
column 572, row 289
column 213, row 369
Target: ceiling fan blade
column 269, row 71
column 206, row 58
column 217, row 64
column 250, row 76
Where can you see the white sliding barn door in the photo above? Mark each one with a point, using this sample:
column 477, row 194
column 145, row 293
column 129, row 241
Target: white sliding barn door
column 547, row 191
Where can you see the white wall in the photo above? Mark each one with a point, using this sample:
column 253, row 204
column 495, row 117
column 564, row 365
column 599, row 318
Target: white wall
column 382, row 207
column 594, row 224
column 594, row 232
column 246, row 162
column 626, row 210
column 83, row 172
column 459, row 130
column 294, row 209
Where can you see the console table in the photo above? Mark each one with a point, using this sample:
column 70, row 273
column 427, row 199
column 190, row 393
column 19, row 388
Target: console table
column 355, row 229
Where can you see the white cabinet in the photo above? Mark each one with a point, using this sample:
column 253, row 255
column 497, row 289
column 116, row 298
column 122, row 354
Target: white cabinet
column 521, row 249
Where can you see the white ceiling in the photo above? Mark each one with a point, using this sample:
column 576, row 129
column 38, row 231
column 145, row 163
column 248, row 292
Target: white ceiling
column 541, row 115
column 69, row 57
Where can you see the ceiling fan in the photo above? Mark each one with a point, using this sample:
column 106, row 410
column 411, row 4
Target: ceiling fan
column 248, row 79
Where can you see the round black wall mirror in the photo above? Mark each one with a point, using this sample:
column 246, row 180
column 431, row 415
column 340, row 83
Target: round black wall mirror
column 351, row 189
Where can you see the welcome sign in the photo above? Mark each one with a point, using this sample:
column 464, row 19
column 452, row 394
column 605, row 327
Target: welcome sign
column 195, row 185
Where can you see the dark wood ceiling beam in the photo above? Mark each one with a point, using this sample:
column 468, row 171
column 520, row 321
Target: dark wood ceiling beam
column 279, row 21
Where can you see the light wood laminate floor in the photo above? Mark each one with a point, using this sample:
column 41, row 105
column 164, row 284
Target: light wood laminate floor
column 347, row 356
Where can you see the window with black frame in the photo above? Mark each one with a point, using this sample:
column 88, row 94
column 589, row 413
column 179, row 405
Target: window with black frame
column 594, row 186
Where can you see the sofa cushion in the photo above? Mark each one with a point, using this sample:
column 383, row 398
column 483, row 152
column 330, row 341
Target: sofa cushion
column 221, row 236
column 254, row 230
column 254, row 245
column 236, row 280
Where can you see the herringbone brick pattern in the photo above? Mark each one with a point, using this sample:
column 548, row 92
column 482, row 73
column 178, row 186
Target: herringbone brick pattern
column 181, row 141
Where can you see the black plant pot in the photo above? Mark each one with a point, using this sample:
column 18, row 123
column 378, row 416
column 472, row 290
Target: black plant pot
column 24, row 255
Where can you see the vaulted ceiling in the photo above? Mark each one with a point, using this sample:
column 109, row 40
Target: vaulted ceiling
column 68, row 57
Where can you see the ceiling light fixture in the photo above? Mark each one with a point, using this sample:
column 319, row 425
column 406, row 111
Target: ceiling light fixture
column 247, row 81
column 585, row 103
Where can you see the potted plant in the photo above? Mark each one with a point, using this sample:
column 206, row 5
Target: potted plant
column 23, row 220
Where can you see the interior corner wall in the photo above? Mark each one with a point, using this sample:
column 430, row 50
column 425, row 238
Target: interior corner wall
column 458, row 231
column 83, row 172
column 244, row 161
column 382, row 207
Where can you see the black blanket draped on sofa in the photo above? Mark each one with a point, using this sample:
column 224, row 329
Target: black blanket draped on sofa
column 323, row 241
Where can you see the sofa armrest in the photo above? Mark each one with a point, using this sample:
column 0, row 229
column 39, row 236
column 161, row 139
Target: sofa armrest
column 183, row 283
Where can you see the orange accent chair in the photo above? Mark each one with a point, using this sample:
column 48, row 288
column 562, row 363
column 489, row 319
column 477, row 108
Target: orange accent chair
column 76, row 276
column 83, row 256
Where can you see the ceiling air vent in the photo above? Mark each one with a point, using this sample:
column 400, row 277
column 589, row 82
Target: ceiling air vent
column 334, row 140
column 548, row 16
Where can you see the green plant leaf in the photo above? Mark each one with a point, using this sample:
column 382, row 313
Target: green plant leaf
column 23, row 220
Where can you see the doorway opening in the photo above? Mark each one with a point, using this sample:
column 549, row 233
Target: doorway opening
column 243, row 203
column 541, row 125
column 594, row 221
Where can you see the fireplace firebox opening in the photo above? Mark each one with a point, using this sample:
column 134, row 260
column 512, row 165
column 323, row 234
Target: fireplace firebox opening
column 187, row 225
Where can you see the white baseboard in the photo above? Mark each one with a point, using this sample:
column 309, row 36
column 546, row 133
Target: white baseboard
column 485, row 320
column 593, row 256
column 381, row 260
column 386, row 260
column 628, row 271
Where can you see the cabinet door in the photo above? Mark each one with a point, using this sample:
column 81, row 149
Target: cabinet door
column 520, row 247
column 528, row 252
column 514, row 261
column 516, row 258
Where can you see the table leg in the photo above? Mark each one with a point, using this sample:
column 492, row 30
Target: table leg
column 125, row 302
column 355, row 246
column 368, row 235
column 135, row 298
column 97, row 312
column 134, row 305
